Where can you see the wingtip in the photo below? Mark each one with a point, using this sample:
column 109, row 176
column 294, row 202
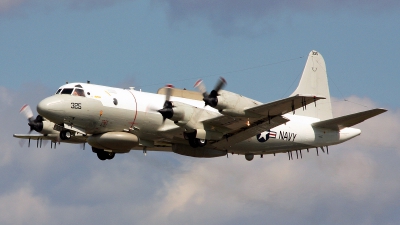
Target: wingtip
column 381, row 109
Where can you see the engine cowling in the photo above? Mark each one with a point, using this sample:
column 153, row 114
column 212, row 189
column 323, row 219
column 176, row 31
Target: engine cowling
column 182, row 112
column 48, row 128
column 186, row 150
column 233, row 104
column 116, row 141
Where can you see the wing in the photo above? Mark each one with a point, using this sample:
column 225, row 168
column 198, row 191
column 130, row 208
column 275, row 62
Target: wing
column 266, row 116
column 348, row 120
column 286, row 105
column 52, row 137
column 35, row 136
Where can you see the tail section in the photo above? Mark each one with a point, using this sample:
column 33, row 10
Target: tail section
column 314, row 81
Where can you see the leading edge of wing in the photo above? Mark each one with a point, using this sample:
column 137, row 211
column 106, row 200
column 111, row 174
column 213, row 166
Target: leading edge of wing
column 36, row 136
column 285, row 105
column 348, row 120
column 52, row 137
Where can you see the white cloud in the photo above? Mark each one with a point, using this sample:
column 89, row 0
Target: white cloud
column 6, row 5
column 229, row 17
column 5, row 97
column 23, row 207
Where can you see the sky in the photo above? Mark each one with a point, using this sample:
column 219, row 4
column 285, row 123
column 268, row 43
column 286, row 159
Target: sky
column 260, row 48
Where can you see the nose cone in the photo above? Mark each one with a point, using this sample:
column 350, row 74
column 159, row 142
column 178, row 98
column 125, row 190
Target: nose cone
column 52, row 108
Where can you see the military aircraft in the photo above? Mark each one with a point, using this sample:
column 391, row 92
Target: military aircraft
column 195, row 123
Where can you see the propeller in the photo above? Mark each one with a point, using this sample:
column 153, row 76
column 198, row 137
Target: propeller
column 167, row 112
column 35, row 124
column 210, row 99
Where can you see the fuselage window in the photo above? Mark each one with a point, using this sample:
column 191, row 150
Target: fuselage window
column 67, row 91
column 78, row 92
column 58, row 92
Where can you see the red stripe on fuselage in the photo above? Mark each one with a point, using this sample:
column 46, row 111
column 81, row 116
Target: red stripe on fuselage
column 134, row 119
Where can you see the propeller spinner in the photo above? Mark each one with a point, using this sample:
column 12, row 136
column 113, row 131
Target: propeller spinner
column 35, row 124
column 210, row 99
column 167, row 112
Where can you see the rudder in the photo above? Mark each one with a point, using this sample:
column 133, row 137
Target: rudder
column 314, row 81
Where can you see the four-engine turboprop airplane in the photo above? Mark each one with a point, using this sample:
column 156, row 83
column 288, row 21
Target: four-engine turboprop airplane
column 197, row 124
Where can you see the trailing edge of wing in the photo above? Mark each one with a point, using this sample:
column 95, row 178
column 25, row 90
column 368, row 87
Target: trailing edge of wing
column 348, row 120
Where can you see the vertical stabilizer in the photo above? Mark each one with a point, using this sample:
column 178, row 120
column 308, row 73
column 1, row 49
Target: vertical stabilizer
column 314, row 81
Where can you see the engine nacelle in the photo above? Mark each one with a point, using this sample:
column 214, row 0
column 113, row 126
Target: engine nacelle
column 232, row 104
column 116, row 141
column 48, row 128
column 186, row 150
column 182, row 112
column 208, row 134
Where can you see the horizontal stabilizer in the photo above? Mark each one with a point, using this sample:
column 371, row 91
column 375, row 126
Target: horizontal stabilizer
column 348, row 120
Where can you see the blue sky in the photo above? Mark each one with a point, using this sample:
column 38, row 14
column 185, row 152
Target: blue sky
column 260, row 47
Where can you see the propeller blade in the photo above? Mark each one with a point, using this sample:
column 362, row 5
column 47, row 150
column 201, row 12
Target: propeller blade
column 166, row 113
column 21, row 142
column 34, row 124
column 221, row 83
column 26, row 111
column 210, row 99
column 168, row 91
column 45, row 142
column 152, row 108
column 201, row 87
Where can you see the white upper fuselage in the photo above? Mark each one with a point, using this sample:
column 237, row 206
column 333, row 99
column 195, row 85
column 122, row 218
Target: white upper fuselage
column 104, row 109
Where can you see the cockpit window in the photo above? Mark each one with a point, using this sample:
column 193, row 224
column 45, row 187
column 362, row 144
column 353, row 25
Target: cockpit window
column 78, row 92
column 67, row 91
column 58, row 92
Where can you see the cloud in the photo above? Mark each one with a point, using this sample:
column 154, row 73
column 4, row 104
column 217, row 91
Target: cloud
column 226, row 17
column 90, row 4
column 23, row 207
column 357, row 183
column 7, row 6
column 239, row 17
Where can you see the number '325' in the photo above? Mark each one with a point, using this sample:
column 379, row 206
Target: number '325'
column 75, row 105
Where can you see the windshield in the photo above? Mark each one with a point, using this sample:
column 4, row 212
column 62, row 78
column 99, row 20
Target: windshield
column 78, row 92
column 67, row 91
